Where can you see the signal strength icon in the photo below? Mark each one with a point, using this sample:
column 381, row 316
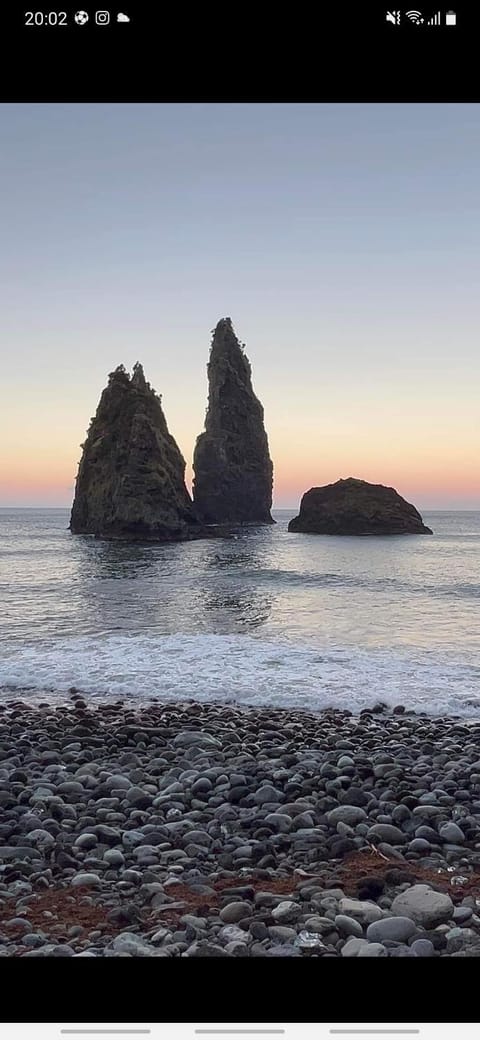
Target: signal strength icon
column 436, row 19
column 415, row 17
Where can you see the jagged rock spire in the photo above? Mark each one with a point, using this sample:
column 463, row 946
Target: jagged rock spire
column 130, row 481
column 233, row 469
column 138, row 377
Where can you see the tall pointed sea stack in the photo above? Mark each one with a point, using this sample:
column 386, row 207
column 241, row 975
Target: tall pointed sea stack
column 233, row 469
column 130, row 481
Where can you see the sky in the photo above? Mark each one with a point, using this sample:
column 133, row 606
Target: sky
column 343, row 241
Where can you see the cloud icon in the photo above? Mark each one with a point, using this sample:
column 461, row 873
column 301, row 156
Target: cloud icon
column 122, row 17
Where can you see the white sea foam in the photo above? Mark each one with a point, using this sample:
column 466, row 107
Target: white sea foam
column 242, row 669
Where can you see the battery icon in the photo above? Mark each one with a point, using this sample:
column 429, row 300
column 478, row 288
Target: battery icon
column 450, row 18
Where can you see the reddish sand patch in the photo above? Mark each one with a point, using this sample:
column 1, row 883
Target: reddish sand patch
column 54, row 911
column 369, row 862
column 64, row 904
column 68, row 907
column 201, row 905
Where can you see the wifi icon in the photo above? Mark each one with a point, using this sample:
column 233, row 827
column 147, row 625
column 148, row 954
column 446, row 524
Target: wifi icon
column 415, row 17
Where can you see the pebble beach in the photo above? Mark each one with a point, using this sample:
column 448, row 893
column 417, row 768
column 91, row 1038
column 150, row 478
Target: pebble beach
column 204, row 830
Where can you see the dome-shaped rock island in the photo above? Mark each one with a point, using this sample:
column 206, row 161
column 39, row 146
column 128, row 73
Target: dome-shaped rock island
column 355, row 507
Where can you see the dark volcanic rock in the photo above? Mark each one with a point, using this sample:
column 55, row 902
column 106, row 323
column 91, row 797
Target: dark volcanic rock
column 356, row 507
column 233, row 469
column 130, row 481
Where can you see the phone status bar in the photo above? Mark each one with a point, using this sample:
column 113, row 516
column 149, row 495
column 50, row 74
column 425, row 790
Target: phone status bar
column 417, row 18
column 53, row 19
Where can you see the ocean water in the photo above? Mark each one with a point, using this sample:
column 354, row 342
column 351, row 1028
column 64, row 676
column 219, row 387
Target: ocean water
column 267, row 618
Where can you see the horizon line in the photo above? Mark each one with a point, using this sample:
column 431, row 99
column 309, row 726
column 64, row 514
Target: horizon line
column 425, row 509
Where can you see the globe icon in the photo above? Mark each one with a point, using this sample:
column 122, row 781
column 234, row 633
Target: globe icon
column 81, row 17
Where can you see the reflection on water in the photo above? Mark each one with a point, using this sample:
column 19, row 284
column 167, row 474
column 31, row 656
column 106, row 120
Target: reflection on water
column 232, row 598
column 100, row 560
column 246, row 610
column 376, row 592
column 189, row 587
column 234, row 558
column 267, row 618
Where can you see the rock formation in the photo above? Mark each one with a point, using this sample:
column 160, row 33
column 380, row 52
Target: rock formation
column 233, row 469
column 130, row 481
column 356, row 507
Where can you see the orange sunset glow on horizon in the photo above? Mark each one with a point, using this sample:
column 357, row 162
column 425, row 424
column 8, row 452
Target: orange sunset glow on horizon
column 428, row 454
column 360, row 318
column 428, row 483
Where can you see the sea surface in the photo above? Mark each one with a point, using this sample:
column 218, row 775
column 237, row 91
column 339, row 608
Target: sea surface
column 266, row 618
